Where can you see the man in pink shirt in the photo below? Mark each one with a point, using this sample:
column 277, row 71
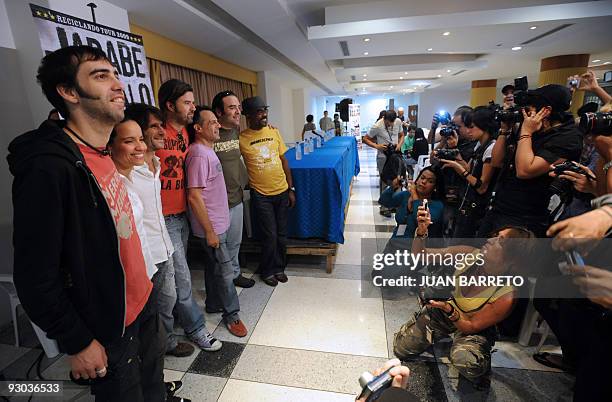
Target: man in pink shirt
column 209, row 216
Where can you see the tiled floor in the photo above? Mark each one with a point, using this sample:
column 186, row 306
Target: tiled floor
column 311, row 338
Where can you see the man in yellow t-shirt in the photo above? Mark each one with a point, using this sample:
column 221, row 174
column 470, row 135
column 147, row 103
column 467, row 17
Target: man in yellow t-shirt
column 272, row 191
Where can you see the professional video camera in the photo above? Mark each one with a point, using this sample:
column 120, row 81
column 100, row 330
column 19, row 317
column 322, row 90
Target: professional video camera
column 596, row 123
column 514, row 114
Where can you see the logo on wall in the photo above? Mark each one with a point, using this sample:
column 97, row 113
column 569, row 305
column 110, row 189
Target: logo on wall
column 125, row 50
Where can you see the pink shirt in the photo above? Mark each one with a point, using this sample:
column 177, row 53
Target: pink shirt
column 204, row 171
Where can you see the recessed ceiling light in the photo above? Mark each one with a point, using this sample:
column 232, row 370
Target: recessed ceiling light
column 366, row 39
column 532, row 28
column 448, row 71
column 401, row 78
column 446, row 33
column 365, row 53
column 365, row 75
column 607, row 62
column 596, row 61
column 517, row 48
column 365, row 79
column 439, row 75
column 391, row 87
column 429, row 49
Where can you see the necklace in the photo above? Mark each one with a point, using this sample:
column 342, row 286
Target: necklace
column 103, row 152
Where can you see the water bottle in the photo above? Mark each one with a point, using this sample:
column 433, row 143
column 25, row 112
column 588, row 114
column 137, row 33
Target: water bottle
column 306, row 147
column 298, row 151
column 311, row 146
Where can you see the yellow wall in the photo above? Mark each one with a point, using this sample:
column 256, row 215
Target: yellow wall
column 163, row 49
column 482, row 96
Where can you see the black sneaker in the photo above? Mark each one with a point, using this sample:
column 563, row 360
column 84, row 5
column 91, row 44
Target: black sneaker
column 172, row 387
column 271, row 280
column 281, row 277
column 182, row 349
column 243, row 282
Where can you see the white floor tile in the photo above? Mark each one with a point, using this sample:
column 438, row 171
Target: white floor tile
column 173, row 375
column 298, row 315
column 350, row 252
column 240, row 391
column 513, row 355
column 201, row 388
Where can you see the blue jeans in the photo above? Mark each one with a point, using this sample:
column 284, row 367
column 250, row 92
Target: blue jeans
column 219, row 280
column 234, row 237
column 165, row 290
column 190, row 317
column 272, row 212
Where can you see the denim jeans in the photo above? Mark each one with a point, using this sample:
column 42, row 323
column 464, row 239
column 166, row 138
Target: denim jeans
column 272, row 212
column 219, row 280
column 164, row 289
column 234, row 237
column 190, row 316
column 135, row 362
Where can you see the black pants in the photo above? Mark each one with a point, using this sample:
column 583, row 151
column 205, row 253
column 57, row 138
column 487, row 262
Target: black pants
column 495, row 220
column 135, row 362
column 272, row 212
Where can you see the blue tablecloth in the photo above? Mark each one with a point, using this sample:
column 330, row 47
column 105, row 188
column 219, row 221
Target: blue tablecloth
column 322, row 181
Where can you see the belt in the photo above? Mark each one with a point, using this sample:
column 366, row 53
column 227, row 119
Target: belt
column 174, row 215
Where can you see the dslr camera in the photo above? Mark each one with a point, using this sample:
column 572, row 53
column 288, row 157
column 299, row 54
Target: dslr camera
column 449, row 130
column 599, row 123
column 563, row 187
column 514, row 114
column 449, row 154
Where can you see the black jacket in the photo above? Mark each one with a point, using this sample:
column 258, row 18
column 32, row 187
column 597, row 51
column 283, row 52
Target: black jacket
column 67, row 270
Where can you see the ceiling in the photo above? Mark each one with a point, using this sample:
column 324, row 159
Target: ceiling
column 299, row 40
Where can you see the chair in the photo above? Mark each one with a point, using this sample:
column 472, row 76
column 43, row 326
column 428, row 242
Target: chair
column 422, row 163
column 49, row 345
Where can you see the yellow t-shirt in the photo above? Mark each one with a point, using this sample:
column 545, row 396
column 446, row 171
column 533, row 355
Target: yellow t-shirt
column 261, row 151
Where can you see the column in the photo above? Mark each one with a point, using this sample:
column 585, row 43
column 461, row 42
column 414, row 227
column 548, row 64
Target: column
column 556, row 69
column 483, row 91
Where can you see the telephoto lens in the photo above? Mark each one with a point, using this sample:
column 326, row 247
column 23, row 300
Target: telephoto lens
column 599, row 123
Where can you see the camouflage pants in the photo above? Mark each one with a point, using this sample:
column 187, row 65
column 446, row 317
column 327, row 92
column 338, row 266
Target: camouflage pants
column 469, row 354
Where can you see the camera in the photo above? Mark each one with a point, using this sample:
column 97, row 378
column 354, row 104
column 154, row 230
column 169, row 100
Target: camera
column 563, row 187
column 449, row 154
column 596, row 123
column 509, row 116
column 449, row 130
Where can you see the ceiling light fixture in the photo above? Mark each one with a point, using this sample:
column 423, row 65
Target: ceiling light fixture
column 365, row 53
column 532, row 28
column 365, row 79
column 448, row 71
column 366, row 39
column 596, row 61
column 429, row 49
column 607, row 62
column 401, row 78
column 446, row 33
column 439, row 76
column 365, row 75
column 391, row 87
column 517, row 48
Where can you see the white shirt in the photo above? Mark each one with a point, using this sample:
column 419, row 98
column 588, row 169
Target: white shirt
column 382, row 135
column 148, row 187
column 138, row 212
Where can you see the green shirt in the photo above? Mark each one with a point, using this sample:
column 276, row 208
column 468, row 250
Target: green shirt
column 408, row 143
column 227, row 149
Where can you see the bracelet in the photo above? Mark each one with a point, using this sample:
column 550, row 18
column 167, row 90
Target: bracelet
column 449, row 314
column 504, row 132
column 522, row 137
column 455, row 317
column 465, row 173
column 607, row 166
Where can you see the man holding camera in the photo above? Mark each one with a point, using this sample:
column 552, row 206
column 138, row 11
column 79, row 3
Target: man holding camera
column 385, row 132
column 547, row 136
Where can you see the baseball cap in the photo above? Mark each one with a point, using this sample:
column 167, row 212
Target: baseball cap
column 250, row 105
column 558, row 97
column 507, row 88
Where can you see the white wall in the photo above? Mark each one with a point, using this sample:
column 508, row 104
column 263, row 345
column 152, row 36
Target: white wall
column 279, row 98
column 106, row 13
column 432, row 101
column 6, row 36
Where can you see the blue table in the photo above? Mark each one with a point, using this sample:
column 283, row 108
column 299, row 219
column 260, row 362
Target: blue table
column 322, row 181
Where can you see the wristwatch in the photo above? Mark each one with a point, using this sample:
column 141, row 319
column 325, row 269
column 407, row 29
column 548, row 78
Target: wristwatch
column 292, row 189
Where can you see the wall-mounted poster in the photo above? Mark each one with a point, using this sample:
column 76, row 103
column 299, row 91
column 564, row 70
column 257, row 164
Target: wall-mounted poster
column 354, row 119
column 125, row 50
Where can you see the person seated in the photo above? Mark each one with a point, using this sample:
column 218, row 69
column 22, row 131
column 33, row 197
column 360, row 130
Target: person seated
column 427, row 186
column 471, row 313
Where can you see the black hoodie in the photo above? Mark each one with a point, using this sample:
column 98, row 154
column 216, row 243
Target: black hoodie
column 67, row 270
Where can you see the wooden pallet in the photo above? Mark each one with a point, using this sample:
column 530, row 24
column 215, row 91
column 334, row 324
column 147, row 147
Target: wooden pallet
column 297, row 247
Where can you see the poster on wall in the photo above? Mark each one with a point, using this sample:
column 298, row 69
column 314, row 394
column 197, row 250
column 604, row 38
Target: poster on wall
column 125, row 50
column 354, row 122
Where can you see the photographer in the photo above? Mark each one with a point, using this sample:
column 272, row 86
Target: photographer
column 547, row 136
column 588, row 82
column 508, row 92
column 472, row 312
column 479, row 175
column 386, row 132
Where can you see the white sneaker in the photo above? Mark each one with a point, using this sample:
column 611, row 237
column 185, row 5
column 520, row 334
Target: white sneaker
column 206, row 342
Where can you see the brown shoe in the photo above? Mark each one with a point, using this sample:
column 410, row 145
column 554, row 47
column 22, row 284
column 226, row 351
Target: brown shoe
column 182, row 349
column 237, row 328
column 281, row 277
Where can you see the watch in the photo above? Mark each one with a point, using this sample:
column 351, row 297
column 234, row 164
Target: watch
column 292, row 189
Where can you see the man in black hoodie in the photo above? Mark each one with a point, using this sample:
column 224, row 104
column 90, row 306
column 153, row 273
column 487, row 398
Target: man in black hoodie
column 546, row 136
column 79, row 269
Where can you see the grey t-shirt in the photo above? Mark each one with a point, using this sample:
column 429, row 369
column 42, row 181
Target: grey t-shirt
column 382, row 135
column 227, row 149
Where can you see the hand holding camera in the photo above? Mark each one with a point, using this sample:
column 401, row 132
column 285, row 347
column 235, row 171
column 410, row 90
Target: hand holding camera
column 423, row 219
column 581, row 232
column 581, row 177
column 392, row 374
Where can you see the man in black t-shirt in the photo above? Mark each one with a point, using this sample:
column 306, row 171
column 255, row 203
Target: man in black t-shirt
column 547, row 136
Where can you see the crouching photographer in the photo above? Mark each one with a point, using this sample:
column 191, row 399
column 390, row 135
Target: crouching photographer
column 474, row 307
column 546, row 135
column 479, row 174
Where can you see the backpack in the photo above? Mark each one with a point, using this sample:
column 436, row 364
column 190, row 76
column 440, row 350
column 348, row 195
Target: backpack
column 394, row 166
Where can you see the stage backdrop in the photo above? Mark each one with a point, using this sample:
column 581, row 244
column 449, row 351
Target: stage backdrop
column 124, row 49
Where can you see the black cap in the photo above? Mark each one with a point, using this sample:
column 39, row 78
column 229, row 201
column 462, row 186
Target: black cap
column 507, row 88
column 558, row 97
column 251, row 105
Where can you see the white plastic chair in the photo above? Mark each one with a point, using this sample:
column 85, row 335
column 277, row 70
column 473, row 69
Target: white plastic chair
column 422, row 163
column 49, row 345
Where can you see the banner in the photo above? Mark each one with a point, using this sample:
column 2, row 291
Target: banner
column 355, row 119
column 125, row 50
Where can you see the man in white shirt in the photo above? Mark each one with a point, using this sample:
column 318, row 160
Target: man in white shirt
column 386, row 131
column 326, row 122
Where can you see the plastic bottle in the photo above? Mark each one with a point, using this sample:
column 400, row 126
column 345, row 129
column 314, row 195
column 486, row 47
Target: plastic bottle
column 306, row 147
column 298, row 151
